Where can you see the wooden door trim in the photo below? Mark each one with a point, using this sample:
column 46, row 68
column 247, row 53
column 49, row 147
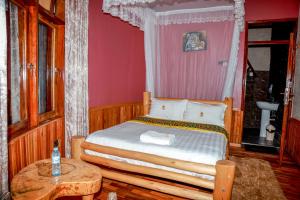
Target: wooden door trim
column 32, row 66
column 246, row 51
column 272, row 20
column 245, row 68
column 287, row 108
column 246, row 56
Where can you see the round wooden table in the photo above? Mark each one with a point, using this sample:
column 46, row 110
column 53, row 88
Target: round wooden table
column 77, row 178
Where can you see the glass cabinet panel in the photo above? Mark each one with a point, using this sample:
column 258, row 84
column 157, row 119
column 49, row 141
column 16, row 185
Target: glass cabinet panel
column 45, row 69
column 16, row 71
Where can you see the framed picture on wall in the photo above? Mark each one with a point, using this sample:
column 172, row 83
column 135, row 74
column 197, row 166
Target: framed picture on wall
column 194, row 41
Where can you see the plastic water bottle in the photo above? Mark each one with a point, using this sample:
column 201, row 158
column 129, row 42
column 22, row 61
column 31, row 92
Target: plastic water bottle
column 112, row 196
column 55, row 160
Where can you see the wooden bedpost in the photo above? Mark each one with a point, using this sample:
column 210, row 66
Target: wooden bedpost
column 76, row 148
column 228, row 121
column 228, row 116
column 146, row 102
column 225, row 170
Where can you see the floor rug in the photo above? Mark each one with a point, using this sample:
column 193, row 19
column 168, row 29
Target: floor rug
column 255, row 180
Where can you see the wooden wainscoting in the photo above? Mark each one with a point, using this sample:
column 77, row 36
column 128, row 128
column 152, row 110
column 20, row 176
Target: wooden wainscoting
column 237, row 127
column 293, row 140
column 102, row 117
column 34, row 145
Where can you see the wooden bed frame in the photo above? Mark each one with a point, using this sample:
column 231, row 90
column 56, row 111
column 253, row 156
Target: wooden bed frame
column 223, row 171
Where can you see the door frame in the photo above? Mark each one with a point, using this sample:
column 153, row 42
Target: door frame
column 243, row 95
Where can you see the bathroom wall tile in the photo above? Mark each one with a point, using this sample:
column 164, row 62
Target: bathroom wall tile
column 256, row 90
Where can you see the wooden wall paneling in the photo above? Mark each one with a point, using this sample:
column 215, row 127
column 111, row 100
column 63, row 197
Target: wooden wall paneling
column 137, row 109
column 34, row 145
column 293, row 140
column 95, row 119
column 102, row 117
column 126, row 113
column 111, row 117
column 237, row 127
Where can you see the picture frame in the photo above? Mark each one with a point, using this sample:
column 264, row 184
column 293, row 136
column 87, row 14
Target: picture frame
column 194, row 41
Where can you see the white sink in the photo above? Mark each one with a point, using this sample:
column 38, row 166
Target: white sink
column 267, row 105
column 266, row 108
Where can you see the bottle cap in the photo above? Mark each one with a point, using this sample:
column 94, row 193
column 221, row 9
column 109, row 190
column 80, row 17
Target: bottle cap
column 56, row 143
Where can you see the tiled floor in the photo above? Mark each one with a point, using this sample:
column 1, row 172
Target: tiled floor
column 252, row 141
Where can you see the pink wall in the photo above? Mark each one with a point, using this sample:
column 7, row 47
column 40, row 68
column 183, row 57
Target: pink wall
column 116, row 59
column 271, row 9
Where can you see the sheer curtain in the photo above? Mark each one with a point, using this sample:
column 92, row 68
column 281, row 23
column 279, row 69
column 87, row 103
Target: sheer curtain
column 3, row 100
column 76, row 70
column 233, row 61
column 151, row 49
column 195, row 74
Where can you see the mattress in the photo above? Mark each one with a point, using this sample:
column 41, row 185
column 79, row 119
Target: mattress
column 189, row 145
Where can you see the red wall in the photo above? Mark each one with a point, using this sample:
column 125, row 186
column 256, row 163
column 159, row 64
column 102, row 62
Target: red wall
column 271, row 9
column 116, row 59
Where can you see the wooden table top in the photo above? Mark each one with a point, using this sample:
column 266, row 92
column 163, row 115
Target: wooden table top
column 36, row 182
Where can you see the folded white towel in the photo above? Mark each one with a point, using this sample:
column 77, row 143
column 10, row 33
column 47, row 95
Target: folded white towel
column 157, row 138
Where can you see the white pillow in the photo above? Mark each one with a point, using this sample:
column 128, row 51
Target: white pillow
column 205, row 113
column 165, row 109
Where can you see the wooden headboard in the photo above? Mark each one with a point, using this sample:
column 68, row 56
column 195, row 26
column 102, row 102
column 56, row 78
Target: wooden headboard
column 227, row 101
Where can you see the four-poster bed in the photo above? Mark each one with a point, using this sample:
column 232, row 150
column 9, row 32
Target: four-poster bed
column 121, row 147
column 223, row 170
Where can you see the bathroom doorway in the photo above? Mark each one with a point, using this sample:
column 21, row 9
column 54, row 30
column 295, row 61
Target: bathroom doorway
column 268, row 89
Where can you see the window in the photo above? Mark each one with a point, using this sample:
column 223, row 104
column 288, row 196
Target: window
column 35, row 64
column 45, row 67
column 16, row 66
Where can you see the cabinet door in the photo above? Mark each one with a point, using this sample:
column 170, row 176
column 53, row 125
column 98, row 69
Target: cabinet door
column 16, row 66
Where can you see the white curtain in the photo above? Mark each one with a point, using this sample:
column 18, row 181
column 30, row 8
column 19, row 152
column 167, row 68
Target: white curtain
column 151, row 49
column 197, row 15
column 134, row 11
column 76, row 70
column 131, row 11
column 233, row 61
column 194, row 74
column 3, row 100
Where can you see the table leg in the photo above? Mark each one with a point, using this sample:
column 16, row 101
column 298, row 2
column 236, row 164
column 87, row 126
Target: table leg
column 88, row 197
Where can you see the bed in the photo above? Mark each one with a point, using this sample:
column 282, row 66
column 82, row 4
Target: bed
column 197, row 159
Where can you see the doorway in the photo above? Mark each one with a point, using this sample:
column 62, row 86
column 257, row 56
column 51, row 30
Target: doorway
column 268, row 77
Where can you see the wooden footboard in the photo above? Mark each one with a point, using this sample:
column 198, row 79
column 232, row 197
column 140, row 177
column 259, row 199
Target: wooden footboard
column 223, row 171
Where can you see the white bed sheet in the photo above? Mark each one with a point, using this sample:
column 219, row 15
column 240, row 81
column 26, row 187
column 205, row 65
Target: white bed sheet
column 189, row 145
